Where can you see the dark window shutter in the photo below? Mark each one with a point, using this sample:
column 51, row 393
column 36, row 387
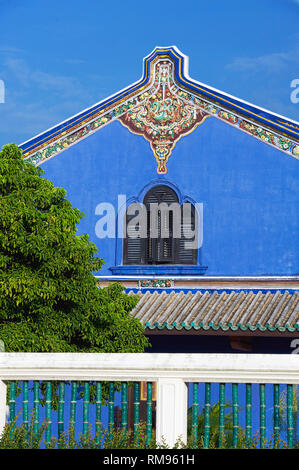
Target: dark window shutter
column 162, row 249
column 187, row 255
column 132, row 245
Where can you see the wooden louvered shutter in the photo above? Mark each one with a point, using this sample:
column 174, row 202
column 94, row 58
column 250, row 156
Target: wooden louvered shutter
column 160, row 249
column 132, row 245
column 156, row 247
column 186, row 254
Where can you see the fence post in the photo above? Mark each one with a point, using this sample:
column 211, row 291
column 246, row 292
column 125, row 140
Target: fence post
column 171, row 411
column 3, row 407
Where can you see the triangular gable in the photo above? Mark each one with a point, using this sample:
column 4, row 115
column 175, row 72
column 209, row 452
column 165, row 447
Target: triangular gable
column 164, row 105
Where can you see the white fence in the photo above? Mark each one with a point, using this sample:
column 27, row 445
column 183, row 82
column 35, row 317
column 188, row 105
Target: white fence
column 171, row 372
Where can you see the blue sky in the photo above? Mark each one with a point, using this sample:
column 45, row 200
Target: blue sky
column 58, row 57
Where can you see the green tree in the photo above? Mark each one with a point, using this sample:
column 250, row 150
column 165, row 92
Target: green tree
column 49, row 299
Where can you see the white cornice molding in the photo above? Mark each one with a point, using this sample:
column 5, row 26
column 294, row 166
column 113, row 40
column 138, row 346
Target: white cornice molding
column 236, row 368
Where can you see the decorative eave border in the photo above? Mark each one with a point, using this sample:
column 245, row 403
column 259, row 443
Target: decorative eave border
column 263, row 116
column 238, row 113
column 220, row 327
column 80, row 119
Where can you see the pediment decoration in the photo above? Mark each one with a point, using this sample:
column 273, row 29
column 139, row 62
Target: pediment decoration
column 163, row 106
column 163, row 117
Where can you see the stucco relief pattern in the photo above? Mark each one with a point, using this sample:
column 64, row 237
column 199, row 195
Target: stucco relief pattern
column 164, row 117
column 163, row 113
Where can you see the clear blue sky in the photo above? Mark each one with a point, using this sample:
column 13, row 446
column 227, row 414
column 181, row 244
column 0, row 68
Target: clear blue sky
column 58, row 57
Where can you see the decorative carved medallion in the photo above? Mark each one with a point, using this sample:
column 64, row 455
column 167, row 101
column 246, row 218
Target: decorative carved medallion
column 163, row 117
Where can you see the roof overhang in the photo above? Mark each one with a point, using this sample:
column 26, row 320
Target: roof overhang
column 248, row 312
column 271, row 128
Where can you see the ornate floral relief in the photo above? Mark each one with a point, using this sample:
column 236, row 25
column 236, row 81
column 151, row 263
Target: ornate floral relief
column 57, row 147
column 156, row 283
column 164, row 117
column 227, row 116
column 162, row 113
column 266, row 136
column 63, row 143
column 296, row 151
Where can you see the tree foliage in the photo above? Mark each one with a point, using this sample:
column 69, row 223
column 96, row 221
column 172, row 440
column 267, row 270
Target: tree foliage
column 49, row 299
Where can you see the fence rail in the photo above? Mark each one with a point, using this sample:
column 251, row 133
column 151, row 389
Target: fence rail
column 171, row 372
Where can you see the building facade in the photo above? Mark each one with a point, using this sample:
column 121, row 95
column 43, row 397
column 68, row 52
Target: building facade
column 191, row 196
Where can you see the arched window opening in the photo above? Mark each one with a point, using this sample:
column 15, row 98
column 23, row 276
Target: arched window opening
column 162, row 232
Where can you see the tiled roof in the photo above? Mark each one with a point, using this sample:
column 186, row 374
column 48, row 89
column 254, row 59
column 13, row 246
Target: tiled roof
column 233, row 310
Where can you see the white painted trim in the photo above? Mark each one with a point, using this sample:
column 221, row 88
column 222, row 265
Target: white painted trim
column 170, row 371
column 172, row 407
column 186, row 74
column 201, row 367
column 86, row 109
column 87, row 123
column 3, row 408
column 201, row 278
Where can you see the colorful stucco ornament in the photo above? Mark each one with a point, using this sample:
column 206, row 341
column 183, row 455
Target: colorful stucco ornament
column 296, row 151
column 165, row 105
column 163, row 117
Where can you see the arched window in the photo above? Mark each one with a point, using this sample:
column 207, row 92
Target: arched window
column 162, row 232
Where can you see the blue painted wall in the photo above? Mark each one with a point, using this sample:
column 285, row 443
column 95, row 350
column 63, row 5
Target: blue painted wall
column 249, row 192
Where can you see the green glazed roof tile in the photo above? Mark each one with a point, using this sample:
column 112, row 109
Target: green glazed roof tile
column 205, row 315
